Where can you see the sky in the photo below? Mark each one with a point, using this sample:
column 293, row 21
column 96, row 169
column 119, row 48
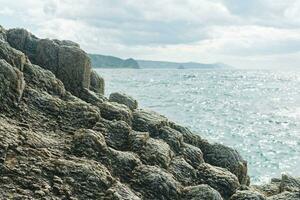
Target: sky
column 258, row 34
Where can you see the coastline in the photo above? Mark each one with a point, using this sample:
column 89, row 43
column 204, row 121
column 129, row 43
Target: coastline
column 62, row 138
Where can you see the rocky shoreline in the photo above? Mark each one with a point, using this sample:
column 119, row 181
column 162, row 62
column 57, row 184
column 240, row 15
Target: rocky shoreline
column 61, row 138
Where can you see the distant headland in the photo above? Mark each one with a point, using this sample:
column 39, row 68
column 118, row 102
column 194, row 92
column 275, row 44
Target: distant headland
column 104, row 61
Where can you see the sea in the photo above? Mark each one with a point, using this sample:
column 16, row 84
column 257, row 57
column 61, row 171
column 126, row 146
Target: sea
column 256, row 112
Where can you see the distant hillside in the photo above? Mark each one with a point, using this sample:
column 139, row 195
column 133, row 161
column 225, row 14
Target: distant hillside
column 175, row 65
column 101, row 61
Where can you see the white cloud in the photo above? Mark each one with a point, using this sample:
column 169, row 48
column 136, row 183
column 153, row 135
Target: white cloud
column 236, row 32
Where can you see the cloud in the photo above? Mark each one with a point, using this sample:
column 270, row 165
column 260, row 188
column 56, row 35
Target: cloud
column 233, row 31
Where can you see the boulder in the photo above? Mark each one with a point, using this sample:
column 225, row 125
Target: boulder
column 226, row 157
column 121, row 98
column 65, row 59
column 74, row 68
column 69, row 113
column 182, row 171
column 12, row 84
column 47, row 56
column 24, row 41
column 116, row 133
column 137, row 140
column 193, row 155
column 120, row 191
column 247, row 195
column 115, row 111
column 269, row 189
column 156, row 152
column 289, row 184
column 172, row 137
column 148, row 121
column 285, row 196
column 155, row 183
column 43, row 80
column 97, row 83
column 77, row 178
column 220, row 179
column 200, row 192
column 123, row 163
column 89, row 143
column 216, row 154
column 14, row 57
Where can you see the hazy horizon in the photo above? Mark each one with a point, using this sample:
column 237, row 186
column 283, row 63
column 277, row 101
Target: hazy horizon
column 261, row 34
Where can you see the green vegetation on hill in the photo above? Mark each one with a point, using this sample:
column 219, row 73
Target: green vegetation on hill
column 180, row 65
column 101, row 61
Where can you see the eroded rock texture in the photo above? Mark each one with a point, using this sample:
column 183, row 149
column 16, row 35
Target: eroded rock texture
column 61, row 139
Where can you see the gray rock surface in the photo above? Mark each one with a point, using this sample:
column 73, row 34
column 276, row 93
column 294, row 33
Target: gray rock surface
column 97, row 83
column 218, row 178
column 124, row 99
column 65, row 59
column 12, row 84
column 247, row 195
column 148, row 121
column 182, row 171
column 14, row 57
column 201, row 192
column 115, row 111
column 286, row 196
column 155, row 183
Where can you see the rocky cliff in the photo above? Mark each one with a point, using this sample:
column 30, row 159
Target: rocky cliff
column 60, row 138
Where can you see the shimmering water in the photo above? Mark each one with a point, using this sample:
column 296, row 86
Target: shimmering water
column 256, row 112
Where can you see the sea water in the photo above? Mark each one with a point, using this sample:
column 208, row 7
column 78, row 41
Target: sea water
column 255, row 112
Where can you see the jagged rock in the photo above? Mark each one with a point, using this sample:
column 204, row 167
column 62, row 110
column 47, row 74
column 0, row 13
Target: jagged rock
column 97, row 83
column 92, row 97
column 225, row 157
column 123, row 163
column 14, row 57
column 89, row 143
column 172, row 137
column 217, row 154
column 115, row 111
column 286, row 196
column 200, row 192
column 137, row 140
column 66, row 43
column 80, row 178
column 120, row 191
column 289, row 184
column 123, row 99
column 156, row 152
column 155, row 183
column 188, row 136
column 220, row 179
column 12, row 84
column 116, row 133
column 74, row 68
column 193, row 155
column 2, row 34
column 148, row 121
column 42, row 79
column 269, row 189
column 182, row 171
column 65, row 59
column 69, row 113
column 24, row 41
column 247, row 195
